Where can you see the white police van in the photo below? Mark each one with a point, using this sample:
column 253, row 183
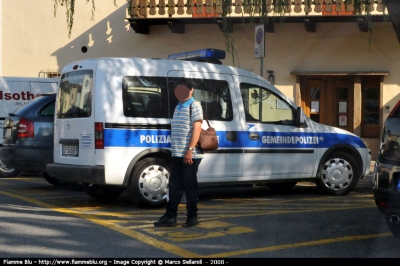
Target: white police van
column 14, row 93
column 112, row 130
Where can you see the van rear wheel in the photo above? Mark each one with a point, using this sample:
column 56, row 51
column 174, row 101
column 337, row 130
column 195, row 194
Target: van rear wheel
column 148, row 183
column 103, row 192
column 338, row 175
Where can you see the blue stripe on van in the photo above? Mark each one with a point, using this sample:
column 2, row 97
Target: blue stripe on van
column 299, row 140
column 137, row 138
column 161, row 138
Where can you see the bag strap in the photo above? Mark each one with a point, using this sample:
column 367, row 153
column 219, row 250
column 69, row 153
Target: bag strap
column 204, row 114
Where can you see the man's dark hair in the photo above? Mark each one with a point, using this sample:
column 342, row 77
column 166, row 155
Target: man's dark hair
column 185, row 82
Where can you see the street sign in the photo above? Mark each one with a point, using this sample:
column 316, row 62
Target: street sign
column 259, row 42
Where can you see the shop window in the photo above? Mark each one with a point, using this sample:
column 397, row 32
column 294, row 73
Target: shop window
column 370, row 86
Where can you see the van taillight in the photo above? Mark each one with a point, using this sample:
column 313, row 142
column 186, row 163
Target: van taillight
column 25, row 128
column 98, row 135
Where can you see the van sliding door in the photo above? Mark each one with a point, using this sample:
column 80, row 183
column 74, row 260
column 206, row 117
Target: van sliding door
column 214, row 92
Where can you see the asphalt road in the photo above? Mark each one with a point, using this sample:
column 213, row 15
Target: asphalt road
column 39, row 220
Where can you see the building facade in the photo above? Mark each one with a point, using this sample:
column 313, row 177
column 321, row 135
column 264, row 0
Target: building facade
column 340, row 73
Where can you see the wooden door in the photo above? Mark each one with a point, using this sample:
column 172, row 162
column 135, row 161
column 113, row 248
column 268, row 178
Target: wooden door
column 329, row 100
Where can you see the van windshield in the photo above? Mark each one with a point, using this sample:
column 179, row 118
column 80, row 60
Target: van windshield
column 75, row 95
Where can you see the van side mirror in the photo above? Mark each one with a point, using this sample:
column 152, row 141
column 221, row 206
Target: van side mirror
column 299, row 119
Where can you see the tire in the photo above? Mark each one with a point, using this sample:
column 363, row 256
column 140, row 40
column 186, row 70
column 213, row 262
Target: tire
column 148, row 183
column 103, row 192
column 282, row 187
column 7, row 172
column 51, row 180
column 338, row 175
column 394, row 226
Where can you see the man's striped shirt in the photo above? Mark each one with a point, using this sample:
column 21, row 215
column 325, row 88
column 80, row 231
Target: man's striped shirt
column 182, row 128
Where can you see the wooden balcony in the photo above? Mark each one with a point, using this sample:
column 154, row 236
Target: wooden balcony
column 177, row 13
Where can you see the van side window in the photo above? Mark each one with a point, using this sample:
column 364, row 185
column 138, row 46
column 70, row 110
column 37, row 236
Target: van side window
column 75, row 94
column 263, row 106
column 214, row 96
column 145, row 97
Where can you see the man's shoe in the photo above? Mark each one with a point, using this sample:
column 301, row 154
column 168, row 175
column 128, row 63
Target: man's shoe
column 165, row 222
column 190, row 221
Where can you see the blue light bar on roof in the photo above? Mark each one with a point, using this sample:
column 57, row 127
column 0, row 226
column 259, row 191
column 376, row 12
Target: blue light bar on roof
column 199, row 55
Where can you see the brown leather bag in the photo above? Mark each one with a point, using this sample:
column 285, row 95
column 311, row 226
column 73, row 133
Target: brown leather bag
column 208, row 140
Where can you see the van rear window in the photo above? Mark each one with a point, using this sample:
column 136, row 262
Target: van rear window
column 75, row 95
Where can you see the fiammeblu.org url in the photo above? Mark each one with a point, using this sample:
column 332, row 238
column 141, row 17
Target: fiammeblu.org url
column 55, row 262
column 72, row 261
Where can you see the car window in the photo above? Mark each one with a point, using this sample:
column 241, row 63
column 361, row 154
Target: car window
column 22, row 107
column 48, row 110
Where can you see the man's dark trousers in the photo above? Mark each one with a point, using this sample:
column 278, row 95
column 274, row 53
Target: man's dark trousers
column 183, row 178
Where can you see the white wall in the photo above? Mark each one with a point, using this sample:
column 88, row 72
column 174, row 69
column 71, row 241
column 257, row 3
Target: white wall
column 33, row 40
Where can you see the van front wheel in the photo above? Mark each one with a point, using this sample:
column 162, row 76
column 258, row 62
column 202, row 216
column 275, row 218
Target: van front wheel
column 338, row 175
column 148, row 183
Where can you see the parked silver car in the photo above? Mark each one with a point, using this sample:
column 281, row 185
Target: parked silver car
column 28, row 138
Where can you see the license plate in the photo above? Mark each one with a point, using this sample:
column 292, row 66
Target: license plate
column 8, row 133
column 69, row 150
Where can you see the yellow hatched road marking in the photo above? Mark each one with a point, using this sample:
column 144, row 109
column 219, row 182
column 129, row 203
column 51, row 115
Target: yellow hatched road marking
column 179, row 236
column 201, row 231
column 123, row 230
column 266, row 212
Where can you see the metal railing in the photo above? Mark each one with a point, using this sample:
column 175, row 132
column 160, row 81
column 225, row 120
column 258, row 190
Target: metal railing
column 147, row 8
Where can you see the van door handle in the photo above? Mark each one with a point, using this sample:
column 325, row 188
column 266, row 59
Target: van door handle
column 254, row 136
column 231, row 136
